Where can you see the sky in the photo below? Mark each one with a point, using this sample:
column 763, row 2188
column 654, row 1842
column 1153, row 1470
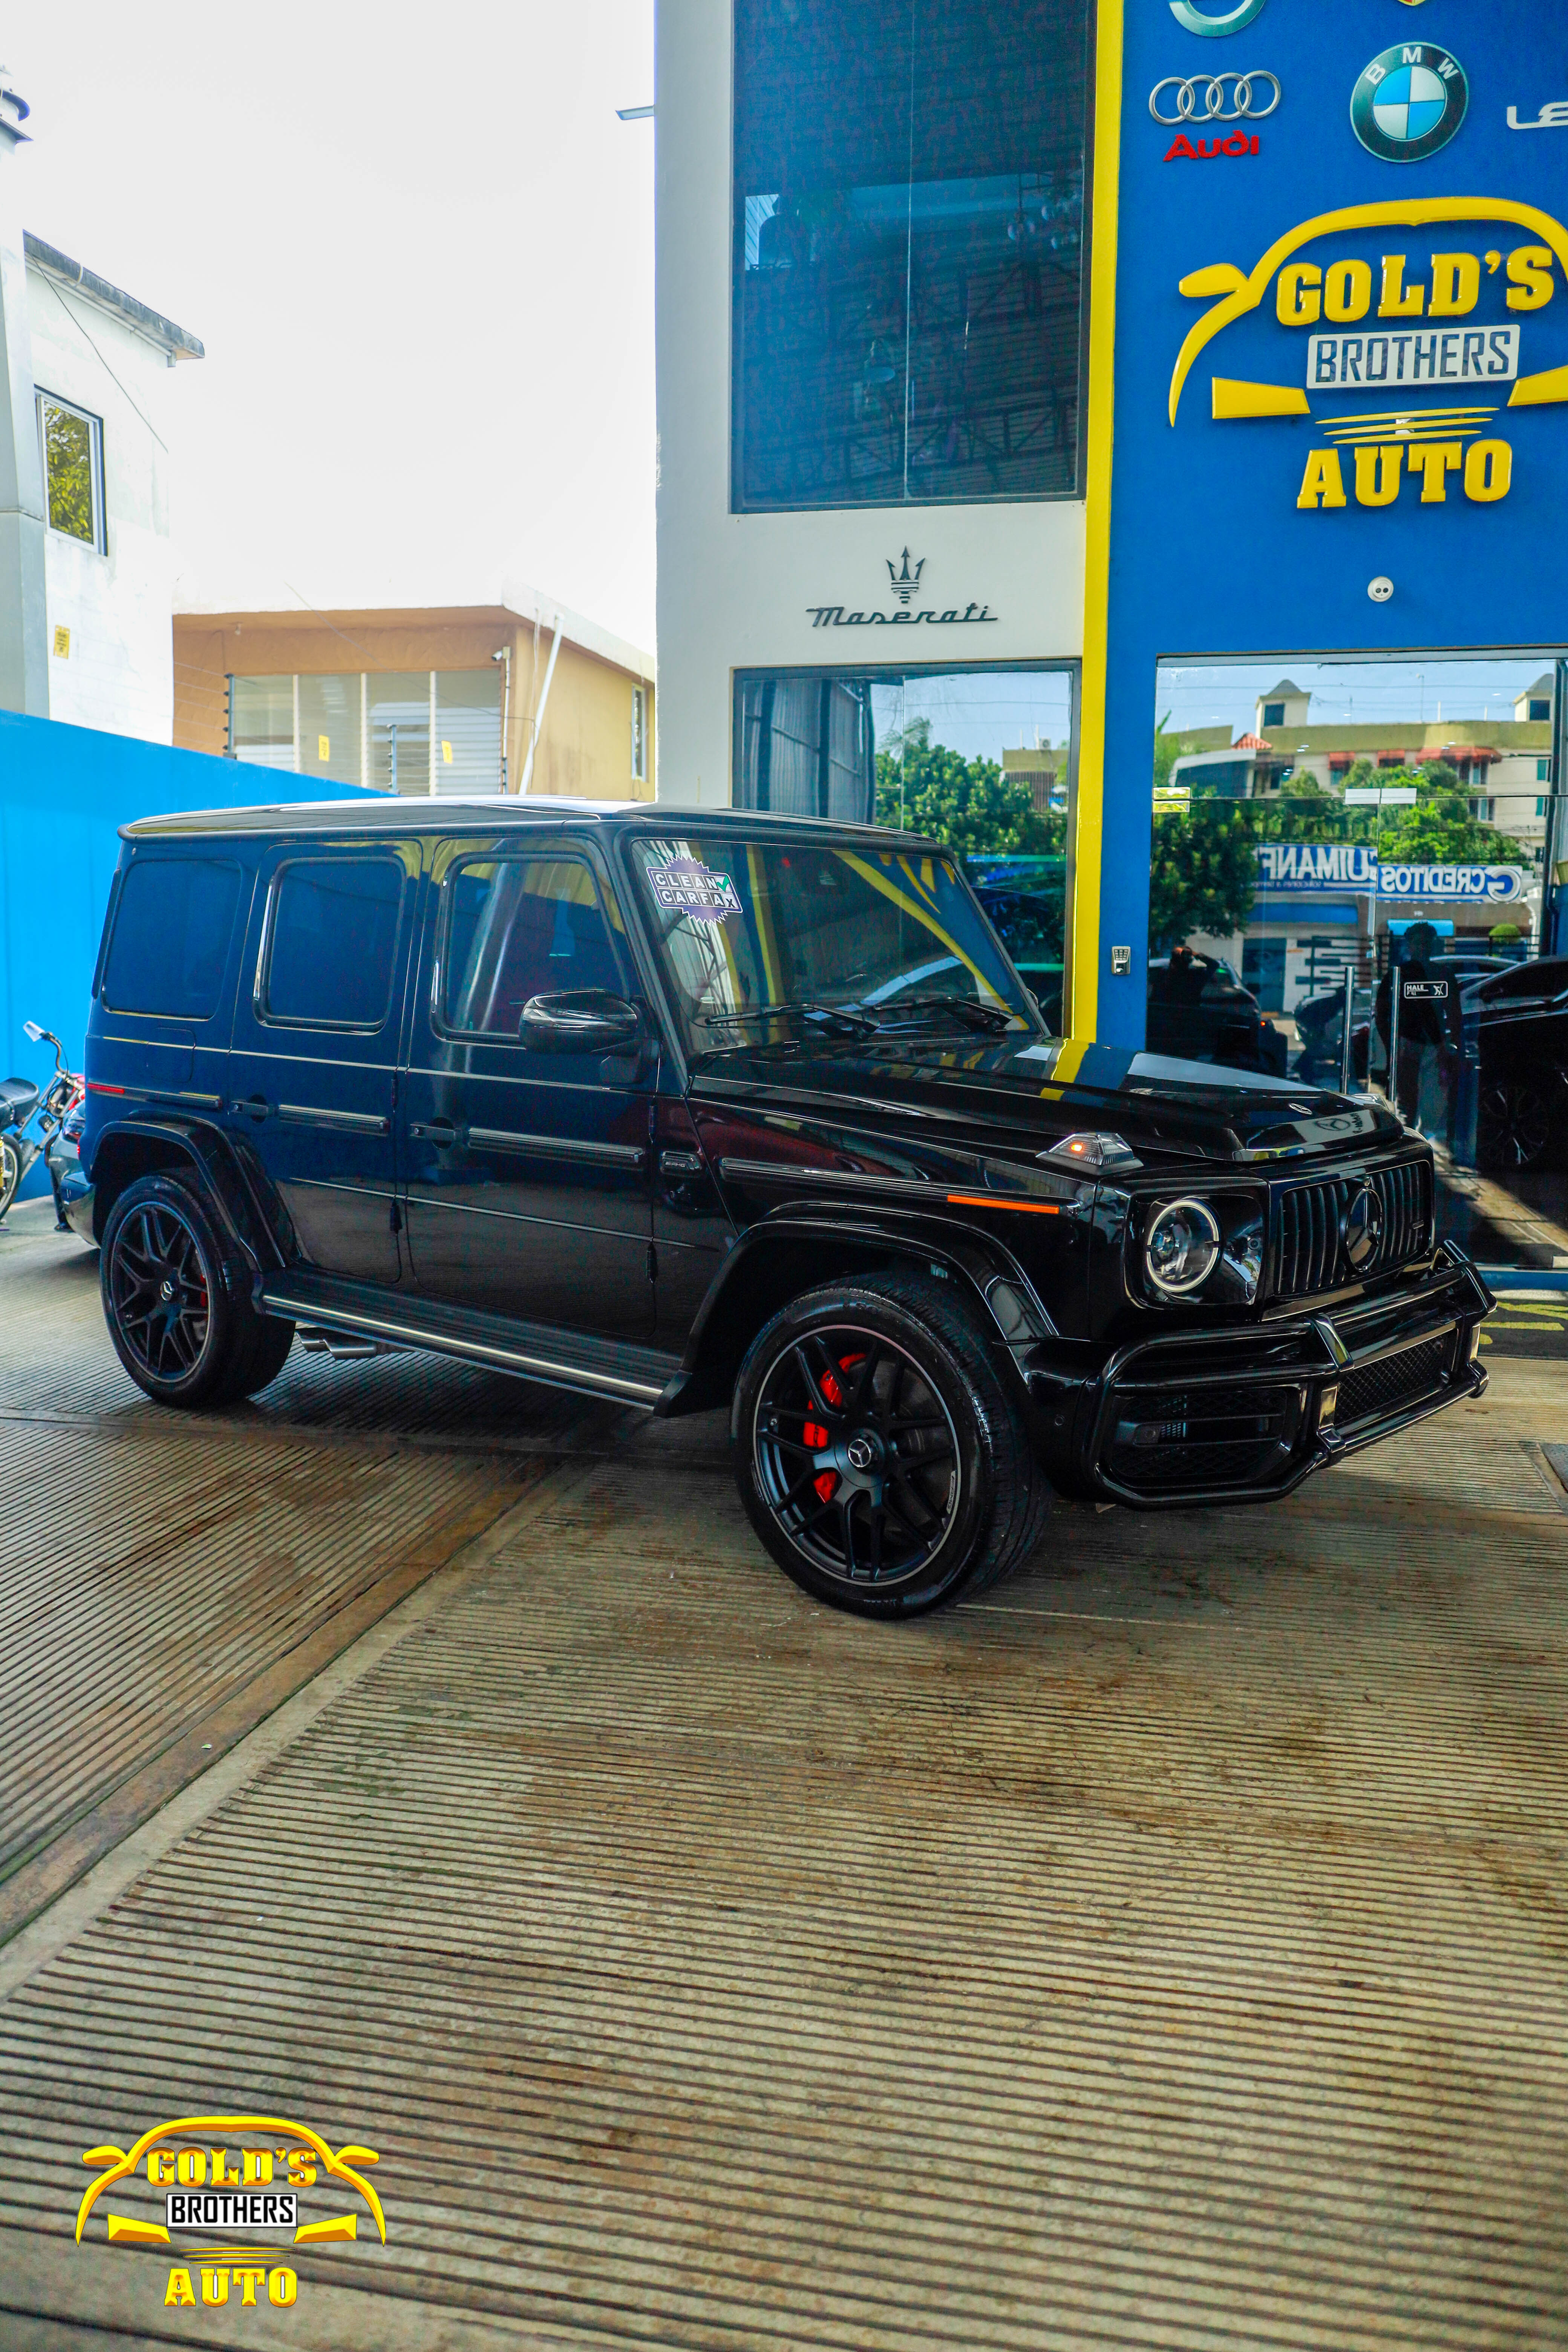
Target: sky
column 419, row 252
column 1345, row 693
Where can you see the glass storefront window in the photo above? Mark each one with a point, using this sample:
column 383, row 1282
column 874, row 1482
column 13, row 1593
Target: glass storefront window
column 330, row 729
column 978, row 758
column 1374, row 836
column 907, row 249
column 416, row 731
column 261, row 721
column 467, row 730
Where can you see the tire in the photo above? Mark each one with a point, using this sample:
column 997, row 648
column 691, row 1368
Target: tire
column 10, row 1173
column 269, row 1348
column 177, row 1305
column 843, row 1380
column 1515, row 1126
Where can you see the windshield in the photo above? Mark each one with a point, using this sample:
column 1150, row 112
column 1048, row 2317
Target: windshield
column 758, row 939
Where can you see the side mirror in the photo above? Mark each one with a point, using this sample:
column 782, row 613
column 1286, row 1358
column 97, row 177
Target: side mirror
column 580, row 1021
column 31, row 1029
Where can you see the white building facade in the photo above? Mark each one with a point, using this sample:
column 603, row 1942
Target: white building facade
column 870, row 320
column 86, row 568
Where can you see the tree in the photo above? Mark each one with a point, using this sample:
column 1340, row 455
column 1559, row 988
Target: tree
column 1203, row 871
column 968, row 804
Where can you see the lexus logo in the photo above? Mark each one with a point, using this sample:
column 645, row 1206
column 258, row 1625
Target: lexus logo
column 1214, row 97
column 1363, row 1227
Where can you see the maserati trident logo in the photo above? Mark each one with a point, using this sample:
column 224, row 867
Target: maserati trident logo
column 1363, row 1227
column 905, row 582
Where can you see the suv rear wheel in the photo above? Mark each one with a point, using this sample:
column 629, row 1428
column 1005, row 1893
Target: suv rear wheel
column 178, row 1312
column 879, row 1456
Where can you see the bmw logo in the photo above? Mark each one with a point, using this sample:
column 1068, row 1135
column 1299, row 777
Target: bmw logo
column 1409, row 102
column 1363, row 1227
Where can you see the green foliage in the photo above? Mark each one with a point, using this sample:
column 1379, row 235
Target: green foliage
column 67, row 460
column 968, row 804
column 1167, row 751
column 1205, row 872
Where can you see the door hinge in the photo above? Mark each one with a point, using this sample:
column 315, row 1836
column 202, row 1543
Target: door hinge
column 396, row 1218
column 652, row 1262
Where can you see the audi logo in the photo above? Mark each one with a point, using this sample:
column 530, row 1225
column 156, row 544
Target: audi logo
column 1201, row 98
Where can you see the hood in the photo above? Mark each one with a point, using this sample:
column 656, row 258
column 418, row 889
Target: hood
column 1037, row 1091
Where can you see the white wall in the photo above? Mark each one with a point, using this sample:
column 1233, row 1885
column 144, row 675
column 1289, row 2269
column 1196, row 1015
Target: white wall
column 735, row 591
column 118, row 606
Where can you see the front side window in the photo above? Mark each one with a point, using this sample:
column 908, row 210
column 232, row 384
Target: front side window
column 170, row 943
column 73, row 469
column 332, row 943
column 758, row 940
column 517, row 928
column 907, row 251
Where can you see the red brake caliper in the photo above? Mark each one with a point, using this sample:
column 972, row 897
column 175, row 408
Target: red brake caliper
column 816, row 1436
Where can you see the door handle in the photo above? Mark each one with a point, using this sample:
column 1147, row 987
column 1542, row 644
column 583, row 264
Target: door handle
column 255, row 1106
column 678, row 1164
column 439, row 1131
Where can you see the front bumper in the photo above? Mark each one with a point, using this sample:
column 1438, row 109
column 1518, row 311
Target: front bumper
column 1242, row 1415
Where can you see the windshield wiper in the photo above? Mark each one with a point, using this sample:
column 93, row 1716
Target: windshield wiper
column 840, row 1021
column 992, row 1018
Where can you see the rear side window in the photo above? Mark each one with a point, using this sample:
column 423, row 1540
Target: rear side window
column 332, row 943
column 169, row 944
column 518, row 928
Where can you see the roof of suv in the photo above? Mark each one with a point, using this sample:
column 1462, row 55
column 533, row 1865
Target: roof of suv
column 401, row 813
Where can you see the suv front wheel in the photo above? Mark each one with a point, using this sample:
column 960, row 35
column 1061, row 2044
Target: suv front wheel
column 878, row 1455
column 179, row 1314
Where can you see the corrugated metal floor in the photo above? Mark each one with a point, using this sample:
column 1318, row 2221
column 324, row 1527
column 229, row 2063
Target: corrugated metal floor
column 164, row 1579
column 1170, row 1951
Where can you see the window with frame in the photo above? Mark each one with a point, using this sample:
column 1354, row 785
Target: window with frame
column 169, row 946
column 332, row 942
column 517, row 928
column 908, row 246
column 73, row 448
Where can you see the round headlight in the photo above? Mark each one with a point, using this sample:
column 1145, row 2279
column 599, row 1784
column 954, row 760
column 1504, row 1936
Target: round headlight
column 1181, row 1248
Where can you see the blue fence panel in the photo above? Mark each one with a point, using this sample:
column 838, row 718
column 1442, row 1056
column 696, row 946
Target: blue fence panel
column 65, row 792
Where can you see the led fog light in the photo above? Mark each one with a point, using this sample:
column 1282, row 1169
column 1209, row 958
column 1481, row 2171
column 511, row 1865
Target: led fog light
column 1181, row 1248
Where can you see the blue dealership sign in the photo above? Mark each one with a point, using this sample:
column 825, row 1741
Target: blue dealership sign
column 1340, row 358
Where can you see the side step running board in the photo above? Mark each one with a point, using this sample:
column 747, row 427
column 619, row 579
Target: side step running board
column 633, row 1375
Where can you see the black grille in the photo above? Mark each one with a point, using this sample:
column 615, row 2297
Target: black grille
column 1311, row 1255
column 1392, row 1381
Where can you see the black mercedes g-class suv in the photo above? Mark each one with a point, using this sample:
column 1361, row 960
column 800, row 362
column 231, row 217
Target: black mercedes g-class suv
column 693, row 1110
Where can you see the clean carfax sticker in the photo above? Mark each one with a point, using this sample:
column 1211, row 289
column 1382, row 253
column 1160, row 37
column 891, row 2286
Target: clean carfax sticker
column 685, row 887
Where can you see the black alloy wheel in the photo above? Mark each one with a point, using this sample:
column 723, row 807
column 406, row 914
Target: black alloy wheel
column 179, row 1314
column 1513, row 1124
column 879, row 1457
column 10, row 1173
column 856, row 1455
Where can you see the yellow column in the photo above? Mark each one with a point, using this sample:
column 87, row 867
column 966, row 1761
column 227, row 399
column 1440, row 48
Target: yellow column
column 1081, row 996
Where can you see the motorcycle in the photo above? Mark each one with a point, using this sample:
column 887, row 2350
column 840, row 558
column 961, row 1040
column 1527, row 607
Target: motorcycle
column 57, row 1111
